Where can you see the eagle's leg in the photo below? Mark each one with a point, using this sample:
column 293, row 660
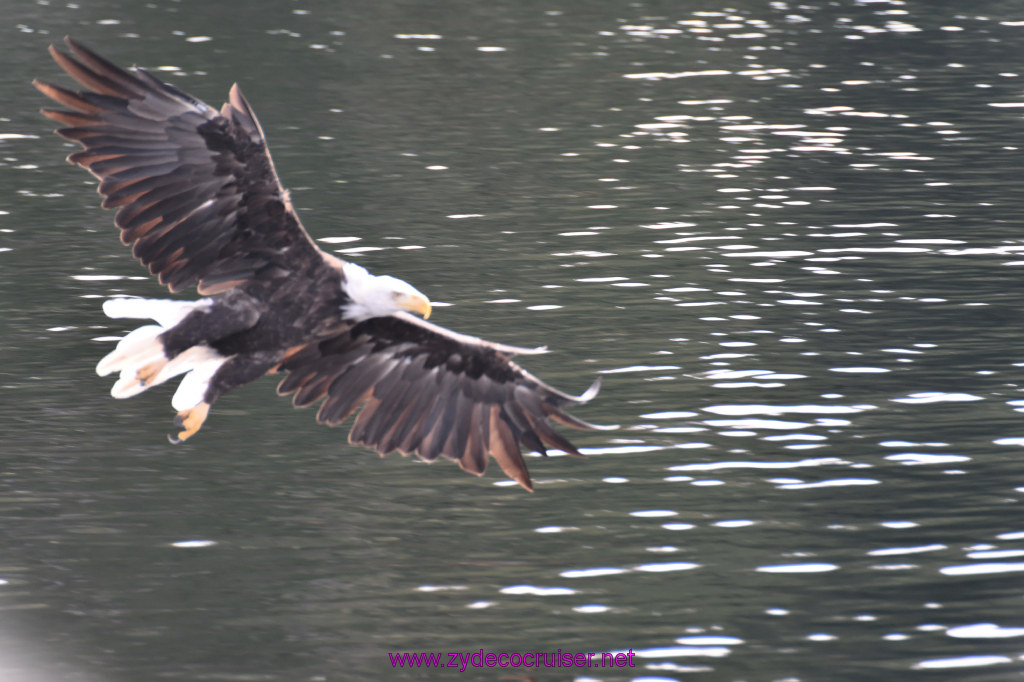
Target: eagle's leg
column 230, row 313
column 236, row 371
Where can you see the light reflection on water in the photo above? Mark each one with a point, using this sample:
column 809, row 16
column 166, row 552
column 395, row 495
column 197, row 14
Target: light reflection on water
column 786, row 237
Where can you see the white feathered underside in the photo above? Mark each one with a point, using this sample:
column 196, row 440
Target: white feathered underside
column 140, row 359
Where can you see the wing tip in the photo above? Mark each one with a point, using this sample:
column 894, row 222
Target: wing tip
column 591, row 392
column 520, row 476
column 45, row 88
column 77, row 48
column 601, row 427
column 577, row 423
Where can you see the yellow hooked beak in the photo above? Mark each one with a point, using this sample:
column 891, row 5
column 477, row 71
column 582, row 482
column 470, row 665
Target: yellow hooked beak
column 415, row 303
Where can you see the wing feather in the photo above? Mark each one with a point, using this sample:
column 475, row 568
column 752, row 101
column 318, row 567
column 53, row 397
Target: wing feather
column 392, row 392
column 408, row 423
column 428, row 440
column 433, row 393
column 197, row 194
column 505, row 450
column 458, row 433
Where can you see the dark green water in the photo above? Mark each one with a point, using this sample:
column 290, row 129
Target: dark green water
column 788, row 235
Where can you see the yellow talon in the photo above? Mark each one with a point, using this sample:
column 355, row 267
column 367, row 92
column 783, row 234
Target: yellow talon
column 146, row 373
column 191, row 420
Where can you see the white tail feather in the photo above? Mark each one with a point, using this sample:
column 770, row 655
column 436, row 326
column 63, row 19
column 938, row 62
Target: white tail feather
column 140, row 358
column 164, row 312
column 131, row 349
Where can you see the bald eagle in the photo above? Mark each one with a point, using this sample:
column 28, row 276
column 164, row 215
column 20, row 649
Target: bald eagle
column 200, row 203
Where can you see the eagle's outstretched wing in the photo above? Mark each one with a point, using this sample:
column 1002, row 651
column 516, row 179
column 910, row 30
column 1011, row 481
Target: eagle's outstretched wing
column 197, row 195
column 430, row 391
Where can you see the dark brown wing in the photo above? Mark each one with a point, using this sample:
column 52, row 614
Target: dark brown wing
column 196, row 191
column 432, row 392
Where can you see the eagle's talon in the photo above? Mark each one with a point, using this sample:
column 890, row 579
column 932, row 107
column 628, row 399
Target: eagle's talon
column 190, row 420
column 147, row 373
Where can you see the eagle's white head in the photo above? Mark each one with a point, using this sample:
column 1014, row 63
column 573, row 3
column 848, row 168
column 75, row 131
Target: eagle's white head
column 379, row 295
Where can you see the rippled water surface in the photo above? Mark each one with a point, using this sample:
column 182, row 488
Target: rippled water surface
column 787, row 236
